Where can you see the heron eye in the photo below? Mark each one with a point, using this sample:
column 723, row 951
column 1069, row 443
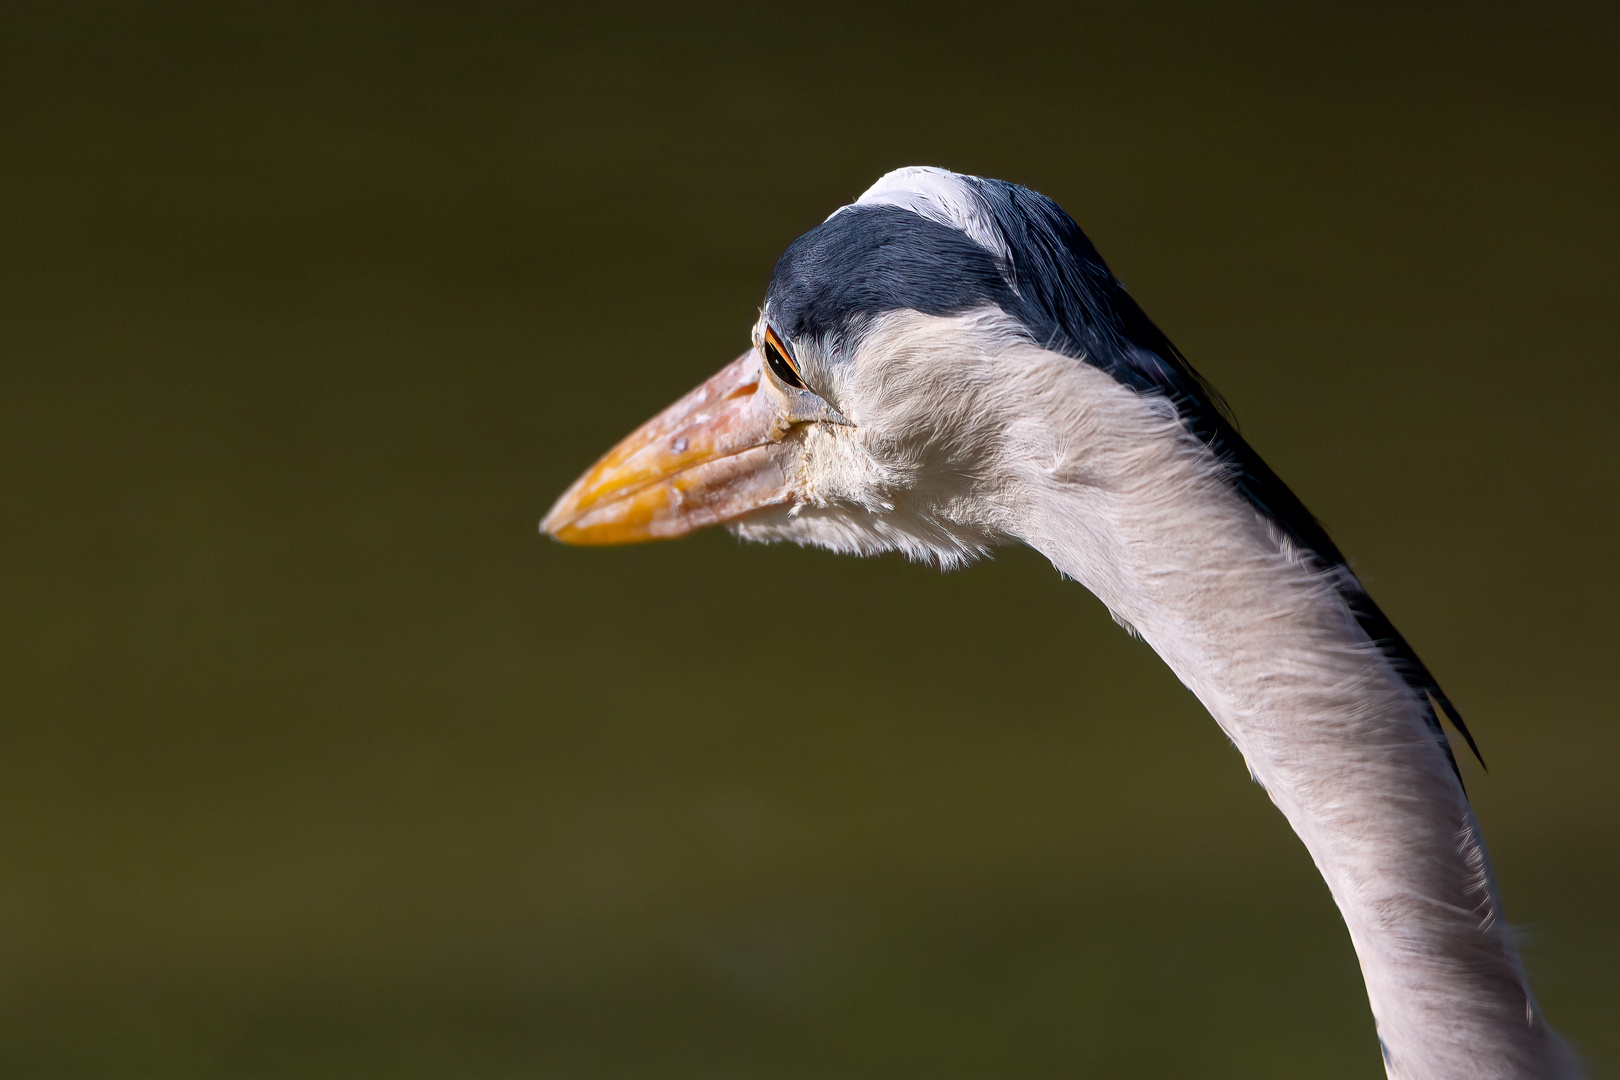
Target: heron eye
column 781, row 366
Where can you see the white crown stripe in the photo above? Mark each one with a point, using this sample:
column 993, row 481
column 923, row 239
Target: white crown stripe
column 939, row 195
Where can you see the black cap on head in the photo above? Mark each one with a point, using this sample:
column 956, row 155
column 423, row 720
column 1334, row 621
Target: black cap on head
column 867, row 260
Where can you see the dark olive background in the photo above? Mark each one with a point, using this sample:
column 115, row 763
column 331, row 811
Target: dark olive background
column 317, row 761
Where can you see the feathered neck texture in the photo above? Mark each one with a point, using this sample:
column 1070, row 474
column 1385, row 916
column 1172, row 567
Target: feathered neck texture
column 1146, row 517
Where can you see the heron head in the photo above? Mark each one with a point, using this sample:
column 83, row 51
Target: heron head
column 870, row 413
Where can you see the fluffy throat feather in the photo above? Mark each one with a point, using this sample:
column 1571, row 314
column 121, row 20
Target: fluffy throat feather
column 966, row 434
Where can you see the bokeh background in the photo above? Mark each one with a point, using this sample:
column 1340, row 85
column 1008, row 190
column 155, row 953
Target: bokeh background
column 317, row 761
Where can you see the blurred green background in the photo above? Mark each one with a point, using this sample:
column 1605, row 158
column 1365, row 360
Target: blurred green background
column 317, row 761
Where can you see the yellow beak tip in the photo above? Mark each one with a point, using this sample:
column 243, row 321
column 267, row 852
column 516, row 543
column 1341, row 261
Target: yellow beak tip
column 564, row 532
column 704, row 460
column 591, row 530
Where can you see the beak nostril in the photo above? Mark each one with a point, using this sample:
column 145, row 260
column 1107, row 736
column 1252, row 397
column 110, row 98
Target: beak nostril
column 743, row 391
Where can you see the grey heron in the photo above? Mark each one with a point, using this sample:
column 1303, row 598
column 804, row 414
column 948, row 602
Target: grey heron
column 946, row 365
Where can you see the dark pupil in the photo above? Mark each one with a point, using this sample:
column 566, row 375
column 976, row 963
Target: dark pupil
column 783, row 369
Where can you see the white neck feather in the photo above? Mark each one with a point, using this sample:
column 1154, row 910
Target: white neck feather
column 1125, row 502
column 968, row 435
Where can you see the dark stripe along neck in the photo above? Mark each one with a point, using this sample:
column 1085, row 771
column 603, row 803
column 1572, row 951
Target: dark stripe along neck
column 867, row 260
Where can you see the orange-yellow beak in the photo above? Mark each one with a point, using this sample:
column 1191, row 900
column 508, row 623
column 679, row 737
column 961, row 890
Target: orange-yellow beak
column 705, row 459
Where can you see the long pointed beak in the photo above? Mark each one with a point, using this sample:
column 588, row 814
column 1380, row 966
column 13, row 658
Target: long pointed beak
column 705, row 459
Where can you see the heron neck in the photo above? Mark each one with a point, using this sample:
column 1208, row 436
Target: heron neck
column 1126, row 504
